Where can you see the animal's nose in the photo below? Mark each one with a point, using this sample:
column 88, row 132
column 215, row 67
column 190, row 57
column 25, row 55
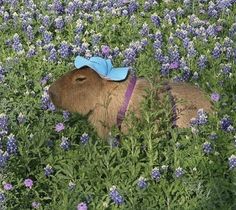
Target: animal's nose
column 51, row 93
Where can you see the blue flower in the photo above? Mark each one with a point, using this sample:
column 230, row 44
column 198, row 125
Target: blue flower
column 226, row 123
column 115, row 196
column 11, row 144
column 65, row 144
column 156, row 174
column 179, row 172
column 3, row 124
column 3, row 158
column 2, row 197
column 142, row 183
column 207, row 147
column 64, row 49
column 48, row 170
column 84, row 138
column 59, row 22
column 232, row 162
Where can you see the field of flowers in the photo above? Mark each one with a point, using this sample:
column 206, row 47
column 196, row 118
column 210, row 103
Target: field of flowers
column 53, row 160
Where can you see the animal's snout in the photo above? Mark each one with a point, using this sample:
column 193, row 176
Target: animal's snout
column 52, row 94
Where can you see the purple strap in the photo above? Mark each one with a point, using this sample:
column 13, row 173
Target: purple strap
column 128, row 94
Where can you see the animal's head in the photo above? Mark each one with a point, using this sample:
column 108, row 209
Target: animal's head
column 77, row 91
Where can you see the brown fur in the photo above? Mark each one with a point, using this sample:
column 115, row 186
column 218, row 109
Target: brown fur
column 84, row 91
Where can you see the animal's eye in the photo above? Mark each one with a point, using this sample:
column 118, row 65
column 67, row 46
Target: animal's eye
column 80, row 78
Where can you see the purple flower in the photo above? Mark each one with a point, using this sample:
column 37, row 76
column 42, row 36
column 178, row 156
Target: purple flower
column 155, row 19
column 65, row 144
column 216, row 51
column 174, row 65
column 155, row 174
column 66, row 115
column 202, row 62
column 232, row 162
column 7, row 186
column 46, row 103
column 31, row 52
column 142, row 183
column 59, row 127
column 11, row 144
column 3, row 124
column 47, row 37
column 3, row 158
column 84, row 138
column 82, row 206
column 58, row 7
column 16, row 45
column 36, row 205
column 48, row 170
column 30, row 33
column 2, row 197
column 215, row 97
column 45, row 79
column 179, row 172
column 226, row 123
column 207, row 147
column 115, row 196
column 144, row 30
column 105, row 50
column 59, row 23
column 52, row 55
column 65, row 49
column 28, row 183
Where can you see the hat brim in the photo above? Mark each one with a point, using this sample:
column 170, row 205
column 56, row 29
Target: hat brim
column 115, row 74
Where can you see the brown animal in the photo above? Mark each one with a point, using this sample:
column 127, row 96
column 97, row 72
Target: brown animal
column 84, row 91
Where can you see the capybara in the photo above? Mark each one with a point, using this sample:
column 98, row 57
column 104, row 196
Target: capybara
column 84, row 91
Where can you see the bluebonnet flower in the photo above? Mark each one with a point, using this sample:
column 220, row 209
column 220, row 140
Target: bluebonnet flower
column 82, row 206
column 155, row 19
column 6, row 16
column 79, row 26
column 47, row 37
column 16, row 45
column 179, row 172
column 202, row 62
column 2, row 197
column 30, row 32
column 46, row 21
column 191, row 50
column 186, row 42
column 35, row 205
column 158, row 55
column 211, row 31
column 3, row 124
column 156, row 174
column 31, row 52
column 65, row 49
column 71, row 8
column 215, row 97
column 21, row 118
column 45, row 101
column 65, row 144
column 144, row 30
column 157, row 44
column 174, row 54
column 3, row 158
column 42, row 29
column 142, row 183
column 59, row 22
column 11, row 145
column 158, row 36
column 58, row 6
column 201, row 118
column 186, row 74
column 84, row 138
column 66, row 115
column 207, row 147
column 130, row 56
column 165, row 70
column 52, row 55
column 213, row 136
column 48, row 170
column 96, row 38
column 115, row 196
column 226, row 123
column 133, row 7
column 147, row 6
column 216, row 52
column 45, row 79
column 226, row 68
column 116, row 52
column 232, row 162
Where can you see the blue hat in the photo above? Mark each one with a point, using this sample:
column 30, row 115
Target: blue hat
column 103, row 67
